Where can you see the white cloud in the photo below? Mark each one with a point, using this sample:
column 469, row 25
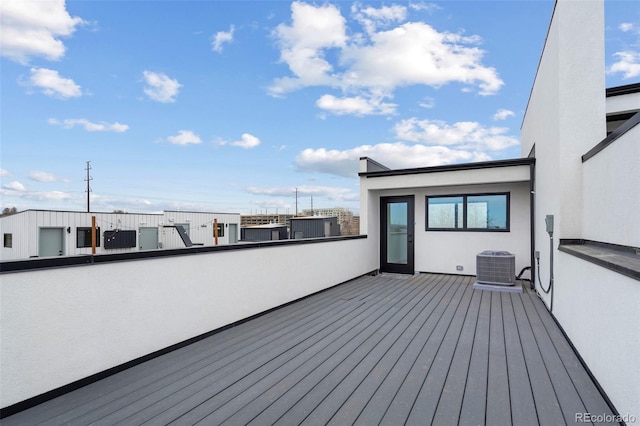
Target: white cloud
column 221, row 38
column 464, row 134
column 371, row 18
column 503, row 114
column 4, row 172
column 184, row 137
column 14, row 186
column 395, row 155
column 247, row 141
column 427, row 102
column 52, row 84
column 40, row 176
column 628, row 64
column 302, row 44
column 89, row 126
column 330, row 192
column 429, row 7
column 626, row 26
column 33, row 28
column 159, row 87
column 357, row 105
column 413, row 53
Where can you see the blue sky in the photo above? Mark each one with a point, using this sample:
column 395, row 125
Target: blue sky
column 228, row 106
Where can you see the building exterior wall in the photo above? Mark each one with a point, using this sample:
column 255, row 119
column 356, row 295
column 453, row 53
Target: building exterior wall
column 24, row 228
column 598, row 309
column 444, row 251
column 259, row 233
column 314, row 227
column 595, row 200
column 64, row 324
column 611, row 192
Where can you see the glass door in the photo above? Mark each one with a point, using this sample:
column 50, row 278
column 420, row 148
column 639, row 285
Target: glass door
column 396, row 234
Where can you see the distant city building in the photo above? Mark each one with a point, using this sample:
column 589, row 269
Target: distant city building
column 346, row 219
column 264, row 219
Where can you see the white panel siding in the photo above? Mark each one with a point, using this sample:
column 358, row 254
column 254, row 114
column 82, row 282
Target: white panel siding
column 25, row 226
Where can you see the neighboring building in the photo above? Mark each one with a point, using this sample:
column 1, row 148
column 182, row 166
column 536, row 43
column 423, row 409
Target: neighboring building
column 264, row 219
column 346, row 219
column 264, row 233
column 44, row 233
column 314, row 227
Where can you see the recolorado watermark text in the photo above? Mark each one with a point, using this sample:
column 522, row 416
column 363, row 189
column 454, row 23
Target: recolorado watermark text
column 604, row 418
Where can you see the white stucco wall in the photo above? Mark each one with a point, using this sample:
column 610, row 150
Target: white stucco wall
column 623, row 103
column 612, row 192
column 565, row 117
column 598, row 309
column 61, row 325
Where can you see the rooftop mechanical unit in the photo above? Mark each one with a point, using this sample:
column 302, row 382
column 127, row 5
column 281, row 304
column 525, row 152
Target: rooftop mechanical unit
column 496, row 268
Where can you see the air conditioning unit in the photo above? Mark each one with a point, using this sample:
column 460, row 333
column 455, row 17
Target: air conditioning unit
column 496, row 268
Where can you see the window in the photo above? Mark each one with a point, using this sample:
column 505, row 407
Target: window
column 478, row 212
column 8, row 240
column 83, row 237
column 220, row 230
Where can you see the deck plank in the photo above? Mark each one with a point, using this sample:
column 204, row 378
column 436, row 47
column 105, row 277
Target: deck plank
column 523, row 410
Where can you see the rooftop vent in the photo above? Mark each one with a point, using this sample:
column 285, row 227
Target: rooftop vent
column 496, row 268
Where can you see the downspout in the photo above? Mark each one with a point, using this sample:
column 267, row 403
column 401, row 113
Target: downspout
column 532, row 210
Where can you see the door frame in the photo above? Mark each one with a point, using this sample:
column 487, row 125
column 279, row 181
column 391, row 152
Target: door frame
column 399, row 268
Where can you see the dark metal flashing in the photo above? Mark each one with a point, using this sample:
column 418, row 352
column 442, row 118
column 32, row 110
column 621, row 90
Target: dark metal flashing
column 62, row 390
column 620, row 117
column 125, row 213
column 627, row 89
column 616, row 134
column 452, row 167
column 9, row 266
column 624, row 260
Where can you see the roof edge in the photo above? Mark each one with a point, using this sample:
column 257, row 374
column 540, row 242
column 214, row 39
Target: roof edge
column 453, row 167
column 627, row 89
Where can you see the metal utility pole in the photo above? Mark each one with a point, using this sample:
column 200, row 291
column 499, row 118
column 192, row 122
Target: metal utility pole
column 296, row 201
column 312, row 206
column 88, row 179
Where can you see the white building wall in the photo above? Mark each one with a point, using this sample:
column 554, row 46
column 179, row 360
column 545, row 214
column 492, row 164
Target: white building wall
column 64, row 324
column 623, row 103
column 598, row 309
column 200, row 228
column 565, row 117
column 612, row 192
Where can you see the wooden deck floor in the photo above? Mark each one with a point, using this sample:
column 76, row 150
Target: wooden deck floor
column 388, row 349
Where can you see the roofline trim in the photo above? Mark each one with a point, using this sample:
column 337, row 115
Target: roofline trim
column 627, row 89
column 452, row 167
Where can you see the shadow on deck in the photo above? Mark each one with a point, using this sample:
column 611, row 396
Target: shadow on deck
column 385, row 349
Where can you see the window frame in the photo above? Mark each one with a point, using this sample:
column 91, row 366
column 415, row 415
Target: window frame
column 7, row 240
column 85, row 229
column 465, row 198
